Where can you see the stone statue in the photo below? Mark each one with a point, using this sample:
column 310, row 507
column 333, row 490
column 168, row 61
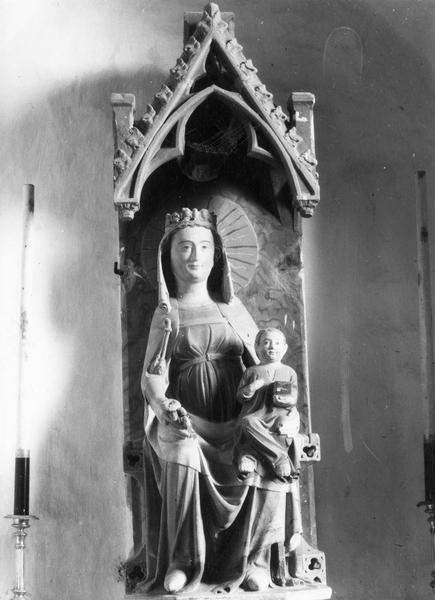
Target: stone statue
column 269, row 421
column 203, row 524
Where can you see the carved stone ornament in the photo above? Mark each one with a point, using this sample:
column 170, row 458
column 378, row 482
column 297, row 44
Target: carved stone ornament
column 211, row 53
column 211, row 184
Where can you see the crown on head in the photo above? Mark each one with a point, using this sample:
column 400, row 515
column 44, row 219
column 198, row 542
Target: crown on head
column 189, row 218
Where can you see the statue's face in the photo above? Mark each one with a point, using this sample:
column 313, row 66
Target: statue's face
column 192, row 254
column 271, row 347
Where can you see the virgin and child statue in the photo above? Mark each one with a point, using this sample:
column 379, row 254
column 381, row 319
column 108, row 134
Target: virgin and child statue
column 204, row 521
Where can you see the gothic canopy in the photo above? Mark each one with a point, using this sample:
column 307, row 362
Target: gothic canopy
column 212, row 103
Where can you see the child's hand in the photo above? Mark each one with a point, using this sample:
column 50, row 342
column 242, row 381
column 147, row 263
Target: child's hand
column 249, row 390
column 257, row 384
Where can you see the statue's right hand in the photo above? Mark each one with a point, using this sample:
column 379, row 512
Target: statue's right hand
column 171, row 408
column 255, row 386
column 258, row 383
column 249, row 390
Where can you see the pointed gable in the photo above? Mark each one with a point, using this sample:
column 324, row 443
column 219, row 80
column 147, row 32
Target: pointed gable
column 213, row 65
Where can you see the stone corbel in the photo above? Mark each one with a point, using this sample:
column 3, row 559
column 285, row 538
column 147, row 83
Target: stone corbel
column 127, row 209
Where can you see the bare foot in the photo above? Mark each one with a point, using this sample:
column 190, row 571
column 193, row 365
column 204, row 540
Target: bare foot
column 257, row 580
column 175, row 581
column 295, row 541
column 246, row 465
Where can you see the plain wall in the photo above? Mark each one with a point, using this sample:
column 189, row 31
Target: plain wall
column 374, row 86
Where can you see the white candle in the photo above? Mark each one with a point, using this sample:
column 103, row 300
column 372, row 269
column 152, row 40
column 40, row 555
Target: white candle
column 28, row 212
column 425, row 305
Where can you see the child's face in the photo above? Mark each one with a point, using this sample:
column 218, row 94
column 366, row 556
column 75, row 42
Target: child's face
column 271, row 347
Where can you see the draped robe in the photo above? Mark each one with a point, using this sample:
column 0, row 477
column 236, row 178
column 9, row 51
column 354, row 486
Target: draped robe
column 199, row 517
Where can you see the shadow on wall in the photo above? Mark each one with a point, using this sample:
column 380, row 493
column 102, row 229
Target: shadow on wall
column 372, row 135
column 78, row 487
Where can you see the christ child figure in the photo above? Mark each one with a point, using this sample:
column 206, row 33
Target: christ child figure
column 269, row 421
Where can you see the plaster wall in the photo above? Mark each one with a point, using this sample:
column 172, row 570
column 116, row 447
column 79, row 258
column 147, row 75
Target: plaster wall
column 375, row 89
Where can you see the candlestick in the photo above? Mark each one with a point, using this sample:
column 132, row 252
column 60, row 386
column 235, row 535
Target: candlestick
column 429, row 469
column 22, row 482
column 21, row 517
column 20, row 524
column 427, row 356
column 425, row 305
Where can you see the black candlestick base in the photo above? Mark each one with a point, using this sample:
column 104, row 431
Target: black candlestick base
column 429, row 489
column 430, row 510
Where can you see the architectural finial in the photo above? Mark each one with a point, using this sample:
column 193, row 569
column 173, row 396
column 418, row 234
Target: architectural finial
column 212, row 9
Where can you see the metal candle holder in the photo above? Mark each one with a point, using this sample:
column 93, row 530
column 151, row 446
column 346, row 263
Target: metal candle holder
column 20, row 523
column 429, row 502
column 427, row 354
column 430, row 510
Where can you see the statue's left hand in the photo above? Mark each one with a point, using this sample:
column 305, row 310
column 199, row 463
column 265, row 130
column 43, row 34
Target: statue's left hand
column 167, row 410
column 177, row 416
column 284, row 396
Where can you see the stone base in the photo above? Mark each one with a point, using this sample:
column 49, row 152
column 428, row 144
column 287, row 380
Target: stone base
column 303, row 592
